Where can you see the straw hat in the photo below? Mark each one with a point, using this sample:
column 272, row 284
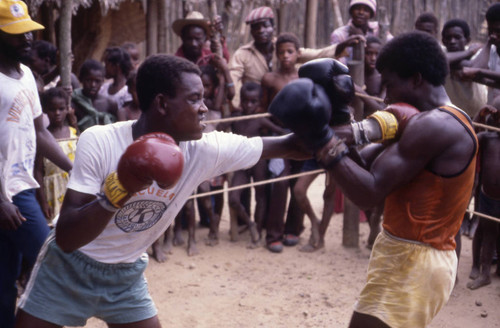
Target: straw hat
column 192, row 18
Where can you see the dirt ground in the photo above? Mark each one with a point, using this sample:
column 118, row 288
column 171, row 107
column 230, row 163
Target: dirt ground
column 231, row 286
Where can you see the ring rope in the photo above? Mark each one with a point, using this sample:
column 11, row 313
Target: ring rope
column 489, row 217
column 258, row 183
column 238, row 118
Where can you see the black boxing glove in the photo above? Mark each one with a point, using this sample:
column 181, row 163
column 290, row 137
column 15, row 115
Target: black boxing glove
column 334, row 77
column 303, row 107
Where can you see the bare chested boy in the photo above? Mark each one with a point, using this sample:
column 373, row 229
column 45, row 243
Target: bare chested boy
column 287, row 51
column 250, row 95
column 91, row 108
column 486, row 236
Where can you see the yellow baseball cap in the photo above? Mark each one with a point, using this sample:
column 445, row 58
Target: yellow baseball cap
column 14, row 18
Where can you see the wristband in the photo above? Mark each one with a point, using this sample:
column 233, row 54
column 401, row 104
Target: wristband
column 388, row 124
column 114, row 190
column 359, row 134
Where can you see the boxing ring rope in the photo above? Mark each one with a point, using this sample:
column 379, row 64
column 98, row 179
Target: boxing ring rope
column 258, row 183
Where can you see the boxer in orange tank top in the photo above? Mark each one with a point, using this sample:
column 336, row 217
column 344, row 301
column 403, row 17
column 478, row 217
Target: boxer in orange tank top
column 426, row 176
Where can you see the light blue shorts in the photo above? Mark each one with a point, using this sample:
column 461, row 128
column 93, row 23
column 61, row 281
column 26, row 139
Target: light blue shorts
column 68, row 288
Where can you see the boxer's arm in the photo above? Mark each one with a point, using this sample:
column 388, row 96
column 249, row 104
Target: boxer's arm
column 395, row 166
column 288, row 146
column 81, row 220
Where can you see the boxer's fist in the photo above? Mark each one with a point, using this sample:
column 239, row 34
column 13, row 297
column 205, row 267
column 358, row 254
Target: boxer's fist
column 403, row 113
column 152, row 157
column 303, row 107
column 334, row 77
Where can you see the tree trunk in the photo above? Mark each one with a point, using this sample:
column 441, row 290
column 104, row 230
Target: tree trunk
column 212, row 13
column 162, row 26
column 65, row 42
column 337, row 14
column 312, row 17
column 152, row 27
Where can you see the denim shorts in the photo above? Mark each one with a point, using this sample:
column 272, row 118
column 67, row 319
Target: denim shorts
column 68, row 288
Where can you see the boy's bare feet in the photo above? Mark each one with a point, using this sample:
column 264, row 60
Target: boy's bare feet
column 254, row 233
column 192, row 249
column 167, row 246
column 178, row 240
column 481, row 281
column 158, row 253
column 212, row 239
column 474, row 273
column 308, row 248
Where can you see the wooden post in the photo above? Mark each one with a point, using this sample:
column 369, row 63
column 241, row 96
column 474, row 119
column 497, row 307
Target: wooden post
column 312, row 17
column 212, row 13
column 281, row 17
column 65, row 42
column 338, row 14
column 383, row 23
column 350, row 232
column 151, row 27
column 162, row 26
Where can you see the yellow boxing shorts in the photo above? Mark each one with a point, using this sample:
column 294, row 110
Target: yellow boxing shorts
column 408, row 282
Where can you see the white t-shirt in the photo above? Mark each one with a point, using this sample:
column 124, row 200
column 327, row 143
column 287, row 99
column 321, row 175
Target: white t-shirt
column 19, row 106
column 121, row 97
column 146, row 216
column 493, row 65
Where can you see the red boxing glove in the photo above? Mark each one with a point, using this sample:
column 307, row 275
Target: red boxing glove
column 152, row 157
column 403, row 113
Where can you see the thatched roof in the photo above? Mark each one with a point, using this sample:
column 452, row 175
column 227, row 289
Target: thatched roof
column 105, row 4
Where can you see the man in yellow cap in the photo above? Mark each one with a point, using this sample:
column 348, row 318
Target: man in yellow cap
column 23, row 227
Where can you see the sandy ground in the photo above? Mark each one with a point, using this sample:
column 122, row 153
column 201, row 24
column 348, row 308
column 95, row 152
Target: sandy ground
column 231, row 286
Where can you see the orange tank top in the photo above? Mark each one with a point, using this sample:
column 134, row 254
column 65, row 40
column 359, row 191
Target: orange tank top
column 430, row 208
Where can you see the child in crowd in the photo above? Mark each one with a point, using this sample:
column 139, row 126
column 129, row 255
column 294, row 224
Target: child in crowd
column 117, row 66
column 427, row 23
column 287, row 51
column 250, row 95
column 485, row 67
column 214, row 79
column 488, row 178
column 134, row 53
column 130, row 110
column 92, row 108
column 464, row 93
column 52, row 179
column 373, row 80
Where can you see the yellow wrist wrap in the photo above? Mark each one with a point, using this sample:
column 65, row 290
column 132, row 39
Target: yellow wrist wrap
column 114, row 190
column 388, row 124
